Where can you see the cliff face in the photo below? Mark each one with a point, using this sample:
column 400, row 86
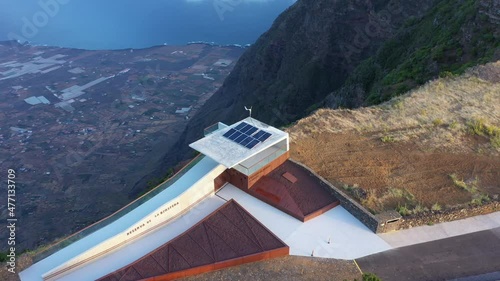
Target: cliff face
column 308, row 53
column 451, row 37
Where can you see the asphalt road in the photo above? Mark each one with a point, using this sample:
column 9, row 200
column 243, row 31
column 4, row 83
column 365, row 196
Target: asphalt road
column 451, row 258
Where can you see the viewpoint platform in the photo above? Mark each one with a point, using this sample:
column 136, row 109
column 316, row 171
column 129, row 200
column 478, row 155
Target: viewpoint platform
column 241, row 200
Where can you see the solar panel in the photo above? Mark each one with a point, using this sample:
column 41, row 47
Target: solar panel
column 263, row 137
column 241, row 125
column 230, row 132
column 242, row 134
column 259, row 134
column 252, row 144
column 235, row 136
column 240, row 138
column 246, row 128
column 251, row 131
column 246, row 141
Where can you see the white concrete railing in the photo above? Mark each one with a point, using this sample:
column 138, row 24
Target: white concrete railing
column 158, row 218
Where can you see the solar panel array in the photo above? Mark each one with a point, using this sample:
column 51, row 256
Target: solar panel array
column 247, row 135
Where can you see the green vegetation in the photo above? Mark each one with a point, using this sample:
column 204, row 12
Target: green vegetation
column 403, row 210
column 436, row 207
column 355, row 191
column 437, row 122
column 419, row 209
column 368, row 277
column 399, row 193
column 387, row 139
column 409, row 203
column 3, row 257
column 478, row 198
column 452, row 37
column 480, row 128
column 471, row 187
column 453, row 125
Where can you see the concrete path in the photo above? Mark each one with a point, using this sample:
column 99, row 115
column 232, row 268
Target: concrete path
column 474, row 256
column 134, row 251
column 192, row 176
column 427, row 233
column 349, row 238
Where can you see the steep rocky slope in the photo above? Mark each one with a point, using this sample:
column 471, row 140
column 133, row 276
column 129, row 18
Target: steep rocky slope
column 450, row 38
column 307, row 54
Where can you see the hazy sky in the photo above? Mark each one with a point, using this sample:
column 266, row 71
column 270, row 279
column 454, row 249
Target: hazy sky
column 136, row 23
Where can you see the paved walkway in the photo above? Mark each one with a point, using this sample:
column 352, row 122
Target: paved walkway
column 34, row 272
column 474, row 254
column 349, row 238
column 142, row 246
column 439, row 231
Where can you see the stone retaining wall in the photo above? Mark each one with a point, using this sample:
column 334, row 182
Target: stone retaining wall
column 452, row 214
column 353, row 207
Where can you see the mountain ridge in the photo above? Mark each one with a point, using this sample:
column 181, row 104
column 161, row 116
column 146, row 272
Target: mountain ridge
column 307, row 54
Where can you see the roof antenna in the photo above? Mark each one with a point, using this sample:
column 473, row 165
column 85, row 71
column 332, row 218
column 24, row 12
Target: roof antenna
column 249, row 109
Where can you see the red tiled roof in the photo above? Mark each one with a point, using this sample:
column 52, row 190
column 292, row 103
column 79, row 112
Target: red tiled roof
column 227, row 237
column 295, row 191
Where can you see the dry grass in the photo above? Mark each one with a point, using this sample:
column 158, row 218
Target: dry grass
column 402, row 154
column 438, row 114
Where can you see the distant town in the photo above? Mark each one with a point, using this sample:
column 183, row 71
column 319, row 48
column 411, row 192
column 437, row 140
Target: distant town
column 62, row 109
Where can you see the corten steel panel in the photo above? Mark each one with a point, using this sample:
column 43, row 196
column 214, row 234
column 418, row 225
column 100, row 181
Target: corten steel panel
column 281, row 252
column 304, row 199
column 238, row 179
column 253, row 178
column 221, row 180
column 243, row 182
column 229, row 236
column 321, row 211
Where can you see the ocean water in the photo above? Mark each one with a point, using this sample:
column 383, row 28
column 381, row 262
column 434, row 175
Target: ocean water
column 121, row 24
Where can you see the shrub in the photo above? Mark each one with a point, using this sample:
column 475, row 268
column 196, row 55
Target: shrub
column 436, row 207
column 476, row 127
column 419, row 209
column 370, row 277
column 387, row 139
column 3, row 257
column 480, row 128
column 495, row 141
column 396, row 192
column 460, row 183
column 403, row 210
column 480, row 199
column 437, row 122
column 453, row 125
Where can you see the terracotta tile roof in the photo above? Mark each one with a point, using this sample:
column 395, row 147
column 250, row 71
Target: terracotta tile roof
column 295, row 191
column 227, row 237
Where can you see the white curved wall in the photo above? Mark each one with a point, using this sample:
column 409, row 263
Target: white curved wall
column 156, row 219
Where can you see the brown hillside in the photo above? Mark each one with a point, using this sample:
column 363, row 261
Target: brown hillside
column 434, row 148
